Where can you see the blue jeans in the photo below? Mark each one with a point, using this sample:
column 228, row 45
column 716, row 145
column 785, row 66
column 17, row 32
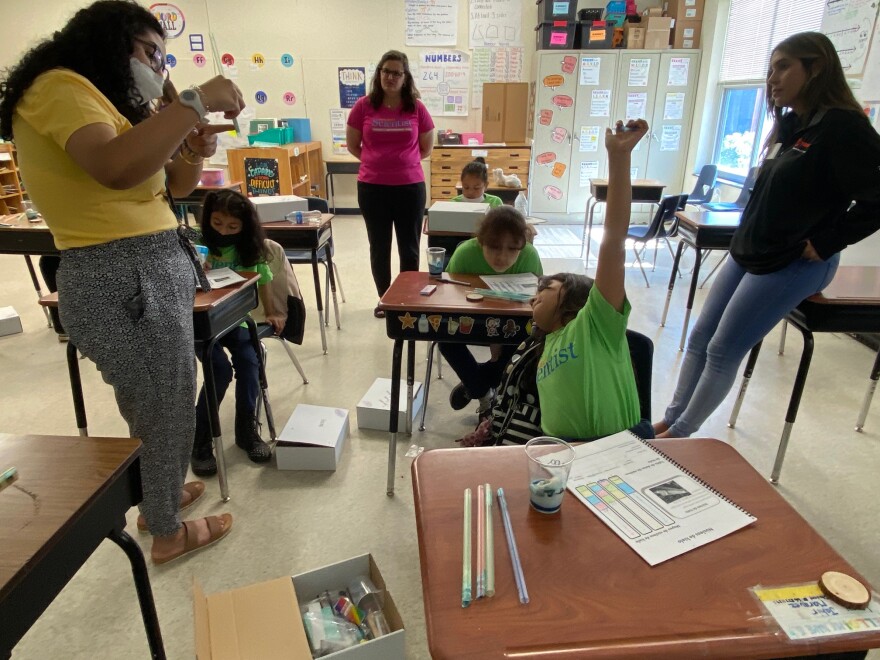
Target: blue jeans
column 740, row 310
column 247, row 375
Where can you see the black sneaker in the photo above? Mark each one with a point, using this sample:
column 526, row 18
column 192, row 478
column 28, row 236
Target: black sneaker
column 202, row 460
column 459, row 397
column 247, row 437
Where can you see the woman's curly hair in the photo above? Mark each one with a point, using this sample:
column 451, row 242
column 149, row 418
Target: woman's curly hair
column 97, row 43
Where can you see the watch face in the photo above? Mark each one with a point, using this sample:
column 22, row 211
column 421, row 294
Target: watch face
column 188, row 95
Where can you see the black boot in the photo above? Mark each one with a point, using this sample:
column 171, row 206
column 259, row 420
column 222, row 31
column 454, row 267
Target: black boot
column 247, row 437
column 202, row 460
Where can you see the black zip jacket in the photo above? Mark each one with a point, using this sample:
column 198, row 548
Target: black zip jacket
column 822, row 186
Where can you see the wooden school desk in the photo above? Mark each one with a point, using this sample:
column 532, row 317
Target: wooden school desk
column 335, row 167
column 443, row 316
column 851, row 303
column 644, row 191
column 701, row 230
column 18, row 235
column 314, row 238
column 71, row 494
column 215, row 313
column 590, row 595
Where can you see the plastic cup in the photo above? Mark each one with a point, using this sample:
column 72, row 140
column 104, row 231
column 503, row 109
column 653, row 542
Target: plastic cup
column 202, row 251
column 550, row 462
column 436, row 259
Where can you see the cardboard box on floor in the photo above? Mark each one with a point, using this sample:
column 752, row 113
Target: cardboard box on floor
column 312, row 439
column 263, row 622
column 505, row 112
column 374, row 410
column 10, row 321
column 686, row 33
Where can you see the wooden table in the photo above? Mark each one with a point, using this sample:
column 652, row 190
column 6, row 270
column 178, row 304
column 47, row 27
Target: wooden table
column 590, row 595
column 850, row 304
column 443, row 316
column 71, row 494
column 335, row 166
column 215, row 313
column 314, row 239
column 18, row 235
column 703, row 231
column 644, row 191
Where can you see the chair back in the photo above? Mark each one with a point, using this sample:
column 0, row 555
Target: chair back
column 318, row 204
column 666, row 212
column 705, row 185
column 286, row 295
column 746, row 191
column 641, row 354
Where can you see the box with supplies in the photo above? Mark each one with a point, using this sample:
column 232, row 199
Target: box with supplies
column 461, row 217
column 374, row 410
column 556, row 10
column 635, row 35
column 312, row 439
column 274, row 208
column 505, row 112
column 686, row 33
column 341, row 611
column 657, row 29
column 10, row 321
column 556, row 35
column 590, row 14
column 594, row 35
column 684, row 9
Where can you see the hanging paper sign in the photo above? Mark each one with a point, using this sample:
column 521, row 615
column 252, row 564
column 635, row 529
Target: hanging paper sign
column 674, row 106
column 170, row 18
column 600, row 103
column 352, row 85
column 678, row 72
column 589, row 170
column 636, row 105
column 639, row 69
column 261, row 177
column 670, row 138
column 589, row 138
column 590, row 68
column 444, row 82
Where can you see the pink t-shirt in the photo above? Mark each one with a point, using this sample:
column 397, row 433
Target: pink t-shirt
column 390, row 142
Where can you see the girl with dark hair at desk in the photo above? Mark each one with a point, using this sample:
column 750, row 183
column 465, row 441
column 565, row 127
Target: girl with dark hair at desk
column 817, row 192
column 96, row 159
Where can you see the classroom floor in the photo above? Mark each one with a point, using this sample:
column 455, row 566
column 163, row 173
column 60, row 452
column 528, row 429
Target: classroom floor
column 290, row 522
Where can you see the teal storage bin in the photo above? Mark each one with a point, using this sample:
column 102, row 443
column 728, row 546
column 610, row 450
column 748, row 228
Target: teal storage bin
column 302, row 128
column 282, row 135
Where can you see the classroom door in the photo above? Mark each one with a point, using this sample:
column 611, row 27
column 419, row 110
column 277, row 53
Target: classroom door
column 555, row 93
column 636, row 91
column 593, row 104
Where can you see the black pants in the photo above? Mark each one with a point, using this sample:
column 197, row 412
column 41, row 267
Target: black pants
column 477, row 377
column 384, row 207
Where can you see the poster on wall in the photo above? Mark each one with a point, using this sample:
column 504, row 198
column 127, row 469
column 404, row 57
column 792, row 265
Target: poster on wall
column 352, row 85
column 261, row 177
column 639, row 69
column 871, row 79
column 495, row 23
column 674, row 106
column 670, row 137
column 338, row 120
column 443, row 78
column 590, row 70
column 849, row 24
column 589, row 138
column 431, row 22
column 636, row 105
column 494, row 65
column 600, row 103
column 589, row 170
column 678, row 72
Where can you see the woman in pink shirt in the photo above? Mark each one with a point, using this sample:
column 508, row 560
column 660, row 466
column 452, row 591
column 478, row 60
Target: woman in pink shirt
column 390, row 132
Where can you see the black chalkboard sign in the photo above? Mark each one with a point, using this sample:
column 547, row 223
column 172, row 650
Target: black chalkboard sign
column 261, row 177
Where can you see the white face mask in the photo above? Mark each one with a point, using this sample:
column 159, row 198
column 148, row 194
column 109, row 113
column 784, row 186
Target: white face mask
column 476, row 199
column 147, row 82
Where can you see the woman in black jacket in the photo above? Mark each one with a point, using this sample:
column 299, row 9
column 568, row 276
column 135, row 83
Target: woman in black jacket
column 818, row 191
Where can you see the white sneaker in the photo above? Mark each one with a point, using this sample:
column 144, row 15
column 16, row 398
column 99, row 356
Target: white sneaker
column 486, row 401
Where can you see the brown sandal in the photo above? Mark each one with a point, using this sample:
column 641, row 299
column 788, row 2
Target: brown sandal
column 218, row 527
column 195, row 489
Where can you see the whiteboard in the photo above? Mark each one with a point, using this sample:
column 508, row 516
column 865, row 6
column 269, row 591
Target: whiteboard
column 849, row 24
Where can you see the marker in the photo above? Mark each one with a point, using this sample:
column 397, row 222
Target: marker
column 8, row 477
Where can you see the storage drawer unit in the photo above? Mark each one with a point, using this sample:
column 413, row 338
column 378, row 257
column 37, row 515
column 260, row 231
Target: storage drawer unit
column 447, row 163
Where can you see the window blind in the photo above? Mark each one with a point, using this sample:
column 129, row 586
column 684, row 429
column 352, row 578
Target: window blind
column 756, row 26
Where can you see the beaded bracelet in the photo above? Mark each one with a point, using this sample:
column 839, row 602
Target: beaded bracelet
column 184, row 148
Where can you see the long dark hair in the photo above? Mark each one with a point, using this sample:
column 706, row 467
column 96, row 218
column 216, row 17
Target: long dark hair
column 826, row 85
column 251, row 243
column 408, row 93
column 97, row 43
column 573, row 294
column 478, row 168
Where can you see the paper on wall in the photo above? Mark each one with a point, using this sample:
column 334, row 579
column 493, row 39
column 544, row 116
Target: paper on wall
column 431, row 22
column 590, row 70
column 670, row 137
column 589, row 170
column 639, row 69
column 674, row 106
column 636, row 105
column 491, row 65
column 443, row 78
column 600, row 103
column 678, row 72
column 849, row 25
column 495, row 23
column 589, row 138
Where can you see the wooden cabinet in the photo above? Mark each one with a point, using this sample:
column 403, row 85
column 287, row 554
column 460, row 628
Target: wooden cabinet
column 11, row 193
column 447, row 163
column 285, row 169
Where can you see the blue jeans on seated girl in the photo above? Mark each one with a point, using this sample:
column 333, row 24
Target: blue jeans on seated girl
column 247, row 375
column 740, row 310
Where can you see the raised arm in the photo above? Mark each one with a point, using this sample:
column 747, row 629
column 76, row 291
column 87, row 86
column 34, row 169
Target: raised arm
column 610, row 273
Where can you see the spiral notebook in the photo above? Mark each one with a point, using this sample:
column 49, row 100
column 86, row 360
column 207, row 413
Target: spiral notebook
column 654, row 504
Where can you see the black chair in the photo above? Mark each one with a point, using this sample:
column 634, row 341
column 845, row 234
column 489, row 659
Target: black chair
column 640, row 235
column 641, row 354
column 743, row 198
column 704, row 188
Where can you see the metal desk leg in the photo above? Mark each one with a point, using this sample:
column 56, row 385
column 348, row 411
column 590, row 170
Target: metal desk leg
column 690, row 303
column 782, row 337
column 144, row 592
column 392, row 419
column 320, row 300
column 747, row 375
column 328, row 186
column 410, row 382
column 214, row 416
column 675, row 262
column 37, row 287
column 586, row 240
column 331, row 275
column 264, row 382
column 427, row 385
column 872, row 386
column 79, row 406
column 799, row 382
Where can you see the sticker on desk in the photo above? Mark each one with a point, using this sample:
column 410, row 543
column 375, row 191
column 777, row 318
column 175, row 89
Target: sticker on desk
column 435, row 320
column 492, row 325
column 465, row 324
column 407, row 321
column 804, row 612
column 451, row 326
column 511, row 328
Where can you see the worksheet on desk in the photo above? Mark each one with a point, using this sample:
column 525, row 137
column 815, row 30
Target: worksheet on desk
column 220, row 277
column 526, row 283
column 660, row 509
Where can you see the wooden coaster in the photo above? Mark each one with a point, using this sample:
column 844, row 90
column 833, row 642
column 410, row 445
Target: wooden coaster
column 846, row 590
column 474, row 297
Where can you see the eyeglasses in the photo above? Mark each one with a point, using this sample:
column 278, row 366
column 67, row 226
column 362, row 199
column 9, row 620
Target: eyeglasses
column 154, row 54
column 391, row 73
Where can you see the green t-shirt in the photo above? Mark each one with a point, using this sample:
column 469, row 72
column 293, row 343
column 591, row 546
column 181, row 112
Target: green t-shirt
column 229, row 259
column 491, row 200
column 585, row 378
column 468, row 258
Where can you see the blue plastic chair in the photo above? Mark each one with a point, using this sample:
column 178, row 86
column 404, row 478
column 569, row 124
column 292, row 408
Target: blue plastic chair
column 640, row 235
column 743, row 198
column 704, row 188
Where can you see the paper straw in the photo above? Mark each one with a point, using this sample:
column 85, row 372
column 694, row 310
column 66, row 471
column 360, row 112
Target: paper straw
column 466, row 552
column 511, row 545
column 481, row 542
column 490, row 544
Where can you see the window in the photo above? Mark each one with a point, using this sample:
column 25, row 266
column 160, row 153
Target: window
column 754, row 28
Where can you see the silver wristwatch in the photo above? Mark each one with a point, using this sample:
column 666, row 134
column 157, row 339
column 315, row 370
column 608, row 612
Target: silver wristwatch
column 192, row 99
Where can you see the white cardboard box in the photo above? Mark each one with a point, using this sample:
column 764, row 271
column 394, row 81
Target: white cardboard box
column 312, row 439
column 456, row 216
column 374, row 410
column 263, row 622
column 10, row 322
column 272, row 209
